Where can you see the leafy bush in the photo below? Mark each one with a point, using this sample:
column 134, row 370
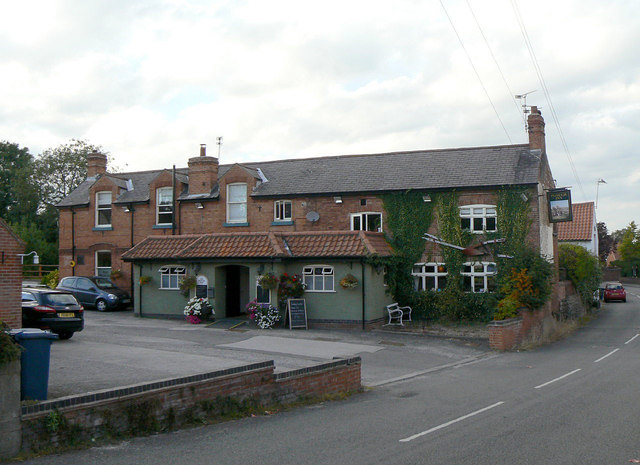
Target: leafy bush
column 583, row 270
column 51, row 279
column 9, row 350
column 526, row 277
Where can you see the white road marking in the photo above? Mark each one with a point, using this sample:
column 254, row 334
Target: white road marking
column 632, row 338
column 605, row 356
column 449, row 423
column 557, row 379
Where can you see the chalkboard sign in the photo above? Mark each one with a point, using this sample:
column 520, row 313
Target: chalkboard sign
column 297, row 312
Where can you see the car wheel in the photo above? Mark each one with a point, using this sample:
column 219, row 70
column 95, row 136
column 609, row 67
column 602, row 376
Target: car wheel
column 101, row 305
column 624, row 300
column 64, row 335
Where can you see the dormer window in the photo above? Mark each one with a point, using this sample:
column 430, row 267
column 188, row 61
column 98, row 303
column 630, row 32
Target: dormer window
column 237, row 203
column 478, row 218
column 164, row 206
column 103, row 209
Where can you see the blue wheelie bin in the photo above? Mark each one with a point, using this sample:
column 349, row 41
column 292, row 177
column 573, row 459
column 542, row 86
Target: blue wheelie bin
column 34, row 374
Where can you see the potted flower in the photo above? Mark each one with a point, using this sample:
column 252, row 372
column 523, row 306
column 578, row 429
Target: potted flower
column 186, row 284
column 290, row 287
column 145, row 280
column 198, row 309
column 268, row 281
column 265, row 315
column 349, row 282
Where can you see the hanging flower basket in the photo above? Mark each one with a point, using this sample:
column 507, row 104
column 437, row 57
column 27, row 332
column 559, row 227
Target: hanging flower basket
column 268, row 281
column 145, row 280
column 116, row 274
column 198, row 309
column 349, row 282
column 186, row 284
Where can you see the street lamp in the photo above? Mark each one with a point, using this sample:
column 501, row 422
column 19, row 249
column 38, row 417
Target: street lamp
column 36, row 259
column 600, row 181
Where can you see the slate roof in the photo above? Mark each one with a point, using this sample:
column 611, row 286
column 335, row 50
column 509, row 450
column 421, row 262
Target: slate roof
column 396, row 171
column 581, row 228
column 337, row 244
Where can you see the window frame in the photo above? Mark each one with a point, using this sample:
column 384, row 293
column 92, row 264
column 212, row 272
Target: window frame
column 327, row 270
column 100, row 207
column 267, row 291
column 159, row 191
column 97, row 268
column 233, row 203
column 422, row 276
column 171, row 271
column 483, row 216
column 362, row 218
column 280, row 206
column 485, row 274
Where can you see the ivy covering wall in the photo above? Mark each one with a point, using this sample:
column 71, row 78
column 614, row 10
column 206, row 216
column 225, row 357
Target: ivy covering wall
column 409, row 217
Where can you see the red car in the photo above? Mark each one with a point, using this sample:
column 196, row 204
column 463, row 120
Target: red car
column 614, row 291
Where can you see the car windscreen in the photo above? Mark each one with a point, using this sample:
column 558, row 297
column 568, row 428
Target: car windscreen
column 59, row 299
column 614, row 286
column 104, row 283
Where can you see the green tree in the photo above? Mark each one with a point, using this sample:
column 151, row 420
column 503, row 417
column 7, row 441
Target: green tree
column 58, row 171
column 583, row 269
column 605, row 241
column 629, row 246
column 36, row 238
column 18, row 192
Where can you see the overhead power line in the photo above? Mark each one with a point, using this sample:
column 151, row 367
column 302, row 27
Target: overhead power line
column 547, row 95
column 511, row 93
column 475, row 71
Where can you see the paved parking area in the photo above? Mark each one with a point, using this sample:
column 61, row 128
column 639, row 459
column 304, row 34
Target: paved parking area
column 118, row 349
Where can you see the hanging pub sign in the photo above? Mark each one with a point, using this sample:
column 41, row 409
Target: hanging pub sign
column 559, row 201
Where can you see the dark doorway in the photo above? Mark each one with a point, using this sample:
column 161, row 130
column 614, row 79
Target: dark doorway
column 233, row 300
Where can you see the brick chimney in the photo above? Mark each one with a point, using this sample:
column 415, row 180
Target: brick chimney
column 535, row 122
column 203, row 172
column 96, row 164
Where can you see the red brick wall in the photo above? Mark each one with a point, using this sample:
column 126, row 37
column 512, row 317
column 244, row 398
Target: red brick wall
column 109, row 412
column 11, row 281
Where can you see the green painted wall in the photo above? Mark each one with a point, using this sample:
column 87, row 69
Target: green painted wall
column 339, row 305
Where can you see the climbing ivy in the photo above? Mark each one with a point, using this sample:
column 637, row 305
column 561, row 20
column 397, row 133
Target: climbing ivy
column 450, row 230
column 408, row 218
column 514, row 221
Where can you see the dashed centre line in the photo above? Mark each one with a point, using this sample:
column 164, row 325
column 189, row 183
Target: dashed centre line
column 605, row 356
column 449, row 423
column 558, row 378
column 632, row 339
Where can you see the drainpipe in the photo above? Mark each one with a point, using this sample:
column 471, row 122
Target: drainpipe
column 132, row 211
column 73, row 241
column 173, row 201
column 363, row 294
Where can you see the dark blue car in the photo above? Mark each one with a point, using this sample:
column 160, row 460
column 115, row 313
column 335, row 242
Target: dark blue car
column 96, row 292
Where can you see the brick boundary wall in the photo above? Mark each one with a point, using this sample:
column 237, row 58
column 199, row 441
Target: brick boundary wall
column 174, row 402
column 505, row 334
column 11, row 272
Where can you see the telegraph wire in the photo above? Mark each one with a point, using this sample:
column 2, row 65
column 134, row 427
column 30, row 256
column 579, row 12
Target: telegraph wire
column 547, row 95
column 495, row 60
column 475, row 71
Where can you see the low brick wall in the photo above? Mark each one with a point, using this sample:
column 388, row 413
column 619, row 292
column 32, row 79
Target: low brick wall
column 505, row 334
column 168, row 404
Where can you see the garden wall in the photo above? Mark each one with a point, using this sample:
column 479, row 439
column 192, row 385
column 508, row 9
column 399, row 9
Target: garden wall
column 169, row 404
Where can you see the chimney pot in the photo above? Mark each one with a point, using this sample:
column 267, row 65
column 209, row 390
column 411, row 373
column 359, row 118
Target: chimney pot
column 203, row 150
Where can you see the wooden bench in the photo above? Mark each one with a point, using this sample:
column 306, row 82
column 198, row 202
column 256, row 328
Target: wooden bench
column 397, row 313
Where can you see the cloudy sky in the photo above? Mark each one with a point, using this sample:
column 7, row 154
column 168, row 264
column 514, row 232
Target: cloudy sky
column 151, row 80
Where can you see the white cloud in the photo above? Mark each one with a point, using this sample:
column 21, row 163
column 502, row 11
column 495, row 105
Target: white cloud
column 151, row 80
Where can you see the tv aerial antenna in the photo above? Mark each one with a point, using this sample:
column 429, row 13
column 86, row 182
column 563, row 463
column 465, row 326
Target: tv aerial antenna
column 526, row 109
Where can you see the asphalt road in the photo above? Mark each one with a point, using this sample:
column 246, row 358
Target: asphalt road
column 573, row 402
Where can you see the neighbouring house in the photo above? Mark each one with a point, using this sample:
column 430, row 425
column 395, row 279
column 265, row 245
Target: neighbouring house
column 583, row 229
column 11, row 246
column 320, row 218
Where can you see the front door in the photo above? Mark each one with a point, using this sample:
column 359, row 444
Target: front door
column 237, row 289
